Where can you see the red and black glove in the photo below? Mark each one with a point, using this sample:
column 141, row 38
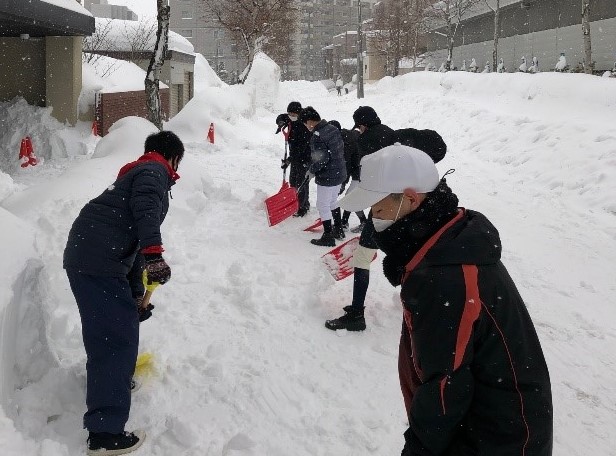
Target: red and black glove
column 157, row 268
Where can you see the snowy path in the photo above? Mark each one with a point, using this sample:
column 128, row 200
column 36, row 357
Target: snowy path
column 245, row 366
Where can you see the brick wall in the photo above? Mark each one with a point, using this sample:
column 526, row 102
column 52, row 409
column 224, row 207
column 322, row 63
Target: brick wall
column 114, row 106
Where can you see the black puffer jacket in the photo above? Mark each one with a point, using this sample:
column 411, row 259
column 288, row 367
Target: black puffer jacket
column 327, row 149
column 299, row 144
column 351, row 153
column 375, row 138
column 472, row 371
column 110, row 229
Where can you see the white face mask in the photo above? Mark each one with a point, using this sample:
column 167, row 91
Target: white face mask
column 382, row 225
column 293, row 118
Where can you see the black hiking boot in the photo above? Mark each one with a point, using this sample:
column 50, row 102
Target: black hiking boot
column 352, row 320
column 106, row 444
column 338, row 229
column 358, row 228
column 345, row 220
column 301, row 212
column 327, row 240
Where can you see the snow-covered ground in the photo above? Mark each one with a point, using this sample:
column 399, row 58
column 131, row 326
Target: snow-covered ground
column 243, row 363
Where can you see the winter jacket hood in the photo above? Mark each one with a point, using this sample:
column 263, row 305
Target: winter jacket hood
column 152, row 156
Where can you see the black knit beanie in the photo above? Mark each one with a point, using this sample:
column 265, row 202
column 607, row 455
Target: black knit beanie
column 365, row 115
column 309, row 113
column 295, row 107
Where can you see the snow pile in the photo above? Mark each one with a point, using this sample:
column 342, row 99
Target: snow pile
column 70, row 5
column 205, row 76
column 128, row 36
column 264, row 80
column 18, row 120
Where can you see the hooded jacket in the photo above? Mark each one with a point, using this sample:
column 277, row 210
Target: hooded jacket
column 126, row 217
column 472, row 372
column 327, row 153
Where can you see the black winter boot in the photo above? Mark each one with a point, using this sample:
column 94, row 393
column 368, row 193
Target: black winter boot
column 105, row 444
column 327, row 240
column 352, row 320
column 345, row 219
column 338, row 230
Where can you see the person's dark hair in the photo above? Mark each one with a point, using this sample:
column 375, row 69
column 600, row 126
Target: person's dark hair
column 165, row 143
column 336, row 124
column 295, row 107
column 309, row 113
column 366, row 115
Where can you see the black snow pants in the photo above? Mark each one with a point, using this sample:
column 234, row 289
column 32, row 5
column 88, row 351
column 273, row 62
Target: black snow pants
column 110, row 329
column 296, row 178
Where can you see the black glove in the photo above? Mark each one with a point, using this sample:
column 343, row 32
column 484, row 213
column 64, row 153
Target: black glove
column 157, row 268
column 285, row 163
column 281, row 121
column 146, row 313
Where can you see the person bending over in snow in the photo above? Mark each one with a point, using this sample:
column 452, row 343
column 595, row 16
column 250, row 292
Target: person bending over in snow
column 374, row 136
column 351, row 158
column 329, row 170
column 299, row 153
column 472, row 372
column 110, row 232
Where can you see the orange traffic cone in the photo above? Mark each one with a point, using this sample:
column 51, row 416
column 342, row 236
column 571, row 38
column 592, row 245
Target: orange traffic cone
column 210, row 133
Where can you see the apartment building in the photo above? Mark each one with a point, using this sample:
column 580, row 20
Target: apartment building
column 102, row 8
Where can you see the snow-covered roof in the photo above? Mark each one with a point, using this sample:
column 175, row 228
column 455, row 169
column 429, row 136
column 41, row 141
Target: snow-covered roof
column 71, row 5
column 119, row 36
column 329, row 46
column 348, row 62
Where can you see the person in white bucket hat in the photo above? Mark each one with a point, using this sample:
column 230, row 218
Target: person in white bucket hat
column 472, row 372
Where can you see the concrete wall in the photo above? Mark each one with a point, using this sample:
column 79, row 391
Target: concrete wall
column 22, row 70
column 546, row 45
column 63, row 75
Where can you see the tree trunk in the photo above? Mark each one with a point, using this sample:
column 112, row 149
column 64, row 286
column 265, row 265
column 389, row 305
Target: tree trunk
column 156, row 63
column 496, row 36
column 588, row 63
column 450, row 42
column 250, row 50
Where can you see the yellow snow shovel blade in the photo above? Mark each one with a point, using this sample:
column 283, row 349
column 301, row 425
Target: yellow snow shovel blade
column 145, row 365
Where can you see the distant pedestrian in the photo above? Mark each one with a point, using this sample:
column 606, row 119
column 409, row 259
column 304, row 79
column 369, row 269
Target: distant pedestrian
column 339, row 85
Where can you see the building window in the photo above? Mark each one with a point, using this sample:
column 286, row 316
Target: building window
column 187, row 15
column 186, row 33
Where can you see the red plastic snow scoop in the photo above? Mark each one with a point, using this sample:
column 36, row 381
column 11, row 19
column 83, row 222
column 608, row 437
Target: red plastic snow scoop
column 283, row 204
column 316, row 226
column 338, row 260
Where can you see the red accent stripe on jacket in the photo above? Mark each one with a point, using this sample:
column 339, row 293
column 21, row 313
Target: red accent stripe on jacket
column 153, row 249
column 421, row 253
column 472, row 307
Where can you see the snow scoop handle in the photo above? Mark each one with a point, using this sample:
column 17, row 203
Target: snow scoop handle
column 149, row 289
column 306, row 180
column 285, row 132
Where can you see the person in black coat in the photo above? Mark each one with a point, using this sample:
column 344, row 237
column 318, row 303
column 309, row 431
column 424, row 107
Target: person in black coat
column 472, row 372
column 329, row 171
column 374, row 137
column 113, row 238
column 299, row 153
column 351, row 158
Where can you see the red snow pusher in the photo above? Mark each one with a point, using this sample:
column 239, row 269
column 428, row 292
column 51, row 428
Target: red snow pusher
column 316, row 226
column 283, row 204
column 338, row 260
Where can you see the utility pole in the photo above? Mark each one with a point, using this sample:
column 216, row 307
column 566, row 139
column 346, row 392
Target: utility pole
column 360, row 54
column 309, row 56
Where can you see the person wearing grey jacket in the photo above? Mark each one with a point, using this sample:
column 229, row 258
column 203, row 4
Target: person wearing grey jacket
column 328, row 169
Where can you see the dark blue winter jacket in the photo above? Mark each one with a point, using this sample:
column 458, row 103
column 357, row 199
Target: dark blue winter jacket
column 327, row 153
column 110, row 229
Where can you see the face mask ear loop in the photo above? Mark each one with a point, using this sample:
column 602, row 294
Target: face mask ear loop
column 399, row 207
